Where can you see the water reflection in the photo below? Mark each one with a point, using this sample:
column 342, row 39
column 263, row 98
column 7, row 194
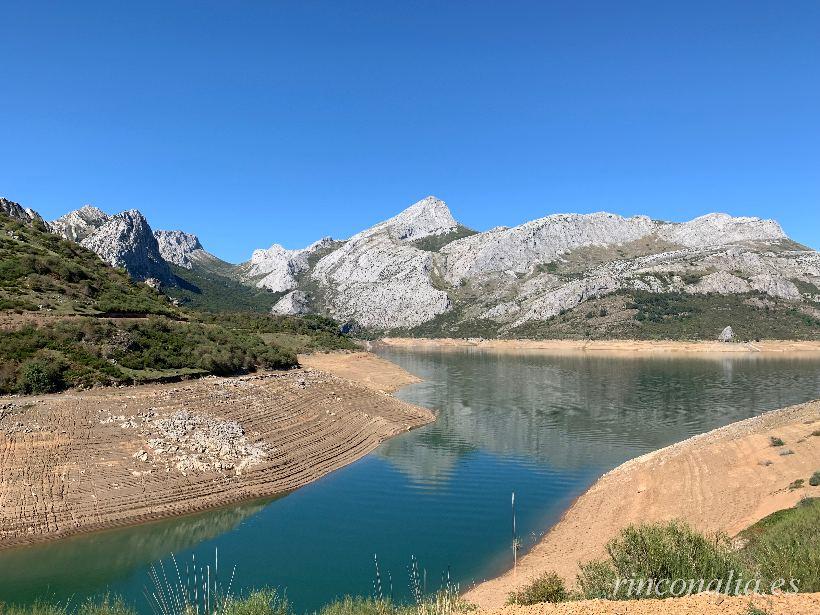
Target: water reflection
column 76, row 562
column 543, row 425
column 577, row 409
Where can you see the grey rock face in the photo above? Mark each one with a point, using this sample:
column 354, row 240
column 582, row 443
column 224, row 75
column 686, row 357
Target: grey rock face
column 292, row 304
column 178, row 248
column 18, row 212
column 378, row 279
column 80, row 223
column 280, row 266
column 726, row 335
column 520, row 248
column 126, row 240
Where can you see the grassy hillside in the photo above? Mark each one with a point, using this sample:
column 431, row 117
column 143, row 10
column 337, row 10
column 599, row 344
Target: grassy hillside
column 202, row 288
column 69, row 320
column 40, row 271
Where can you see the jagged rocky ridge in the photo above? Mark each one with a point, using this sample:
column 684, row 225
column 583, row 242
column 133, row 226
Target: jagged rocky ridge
column 418, row 267
column 122, row 240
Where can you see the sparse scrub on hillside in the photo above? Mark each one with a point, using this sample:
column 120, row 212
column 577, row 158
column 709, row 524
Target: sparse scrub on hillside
column 775, row 441
column 814, row 481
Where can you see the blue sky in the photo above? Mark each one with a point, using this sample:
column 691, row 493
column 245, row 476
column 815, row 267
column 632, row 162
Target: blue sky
column 250, row 123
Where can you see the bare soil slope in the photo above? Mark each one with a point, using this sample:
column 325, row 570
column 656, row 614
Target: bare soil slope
column 362, row 367
column 723, row 480
column 81, row 461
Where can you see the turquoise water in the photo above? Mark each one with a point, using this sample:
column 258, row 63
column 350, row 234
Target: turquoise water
column 543, row 426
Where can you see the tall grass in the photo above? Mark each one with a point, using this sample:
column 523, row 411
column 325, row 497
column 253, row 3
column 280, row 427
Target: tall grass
column 786, row 545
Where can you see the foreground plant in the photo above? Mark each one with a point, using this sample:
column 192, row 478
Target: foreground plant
column 548, row 587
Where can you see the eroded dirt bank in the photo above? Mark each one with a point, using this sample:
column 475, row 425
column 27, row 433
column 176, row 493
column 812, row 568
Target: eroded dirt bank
column 784, row 604
column 614, row 346
column 723, row 480
column 82, row 461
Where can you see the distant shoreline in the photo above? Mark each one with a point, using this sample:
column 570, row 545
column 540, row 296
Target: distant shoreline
column 608, row 346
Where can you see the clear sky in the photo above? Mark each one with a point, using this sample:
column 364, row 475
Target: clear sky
column 250, row 123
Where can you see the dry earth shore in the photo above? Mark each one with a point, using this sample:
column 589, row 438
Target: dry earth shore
column 614, row 346
column 702, row 604
column 723, row 480
column 87, row 460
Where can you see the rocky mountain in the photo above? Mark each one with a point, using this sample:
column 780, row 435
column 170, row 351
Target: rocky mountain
column 15, row 211
column 122, row 240
column 277, row 269
column 421, row 272
column 179, row 248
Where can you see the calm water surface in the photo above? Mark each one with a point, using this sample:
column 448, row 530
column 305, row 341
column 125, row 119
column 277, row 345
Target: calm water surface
column 543, row 426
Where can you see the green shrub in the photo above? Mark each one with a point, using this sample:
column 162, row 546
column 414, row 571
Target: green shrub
column 259, row 602
column 775, row 441
column 359, row 606
column 814, row 481
column 548, row 587
column 40, row 375
column 786, row 545
column 796, row 484
column 596, row 579
column 659, row 552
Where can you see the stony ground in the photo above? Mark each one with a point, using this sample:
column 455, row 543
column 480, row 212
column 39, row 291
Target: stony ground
column 81, row 461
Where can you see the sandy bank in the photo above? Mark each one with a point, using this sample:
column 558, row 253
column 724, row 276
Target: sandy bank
column 787, row 604
column 81, row 461
column 362, row 367
column 725, row 480
column 613, row 346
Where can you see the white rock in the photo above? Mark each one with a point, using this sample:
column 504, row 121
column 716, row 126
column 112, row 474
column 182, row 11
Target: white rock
column 726, row 335
column 721, row 229
column 80, row 223
column 775, row 286
column 178, row 248
column 722, row 283
column 292, row 304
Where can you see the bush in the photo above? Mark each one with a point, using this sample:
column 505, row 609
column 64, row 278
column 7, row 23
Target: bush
column 548, row 587
column 786, row 545
column 260, row 602
column 39, row 376
column 814, row 481
column 358, row 606
column 596, row 580
column 775, row 441
column 797, row 484
column 649, row 554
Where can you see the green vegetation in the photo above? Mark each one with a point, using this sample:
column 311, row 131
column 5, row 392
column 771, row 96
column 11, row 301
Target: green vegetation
column 434, row 243
column 668, row 551
column 203, row 288
column 814, row 481
column 82, row 323
column 548, row 587
column 40, row 269
column 797, row 484
column 786, row 544
column 775, row 441
column 676, row 316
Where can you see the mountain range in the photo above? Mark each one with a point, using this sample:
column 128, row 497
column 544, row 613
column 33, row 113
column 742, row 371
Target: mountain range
column 421, row 272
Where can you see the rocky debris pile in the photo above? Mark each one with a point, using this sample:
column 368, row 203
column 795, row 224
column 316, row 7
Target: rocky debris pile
column 190, row 442
column 727, row 335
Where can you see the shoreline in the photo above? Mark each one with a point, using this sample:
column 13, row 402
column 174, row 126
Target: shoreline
column 625, row 346
column 81, row 462
column 722, row 480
